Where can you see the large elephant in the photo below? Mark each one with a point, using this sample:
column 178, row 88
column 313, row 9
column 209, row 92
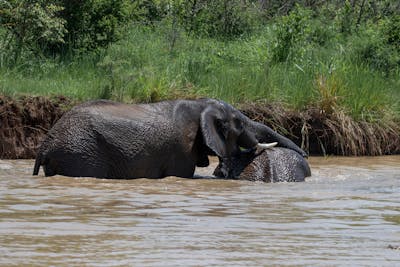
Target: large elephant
column 107, row 139
column 277, row 164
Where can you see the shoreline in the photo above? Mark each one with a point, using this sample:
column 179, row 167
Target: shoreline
column 25, row 121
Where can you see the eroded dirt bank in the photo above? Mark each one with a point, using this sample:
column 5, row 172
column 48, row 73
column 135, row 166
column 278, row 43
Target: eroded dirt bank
column 25, row 121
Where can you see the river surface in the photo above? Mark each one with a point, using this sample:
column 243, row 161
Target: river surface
column 346, row 214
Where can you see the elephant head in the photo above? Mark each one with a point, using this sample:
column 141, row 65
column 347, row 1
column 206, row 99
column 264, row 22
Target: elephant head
column 225, row 130
column 267, row 165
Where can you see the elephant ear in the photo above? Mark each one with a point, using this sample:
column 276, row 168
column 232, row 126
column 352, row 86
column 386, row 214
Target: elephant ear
column 209, row 121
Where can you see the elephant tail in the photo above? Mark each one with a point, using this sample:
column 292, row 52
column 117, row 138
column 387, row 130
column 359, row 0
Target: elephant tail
column 38, row 162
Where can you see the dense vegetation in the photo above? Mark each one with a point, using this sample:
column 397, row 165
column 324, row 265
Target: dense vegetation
column 333, row 55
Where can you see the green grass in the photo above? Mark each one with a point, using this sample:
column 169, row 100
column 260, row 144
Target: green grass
column 77, row 80
column 143, row 67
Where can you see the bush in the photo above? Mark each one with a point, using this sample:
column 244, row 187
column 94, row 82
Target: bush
column 53, row 27
column 391, row 32
column 148, row 11
column 222, row 18
column 92, row 23
column 291, row 30
column 31, row 27
column 379, row 46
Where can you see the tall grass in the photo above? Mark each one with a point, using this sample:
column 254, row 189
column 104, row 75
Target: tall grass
column 146, row 66
column 78, row 79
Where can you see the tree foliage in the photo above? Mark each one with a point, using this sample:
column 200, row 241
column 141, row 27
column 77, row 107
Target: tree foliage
column 62, row 27
column 290, row 30
column 31, row 26
column 226, row 18
column 92, row 23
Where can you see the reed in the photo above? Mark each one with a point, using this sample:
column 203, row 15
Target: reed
column 321, row 133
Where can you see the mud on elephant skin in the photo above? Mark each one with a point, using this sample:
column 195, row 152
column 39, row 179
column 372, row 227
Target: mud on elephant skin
column 269, row 165
column 107, row 139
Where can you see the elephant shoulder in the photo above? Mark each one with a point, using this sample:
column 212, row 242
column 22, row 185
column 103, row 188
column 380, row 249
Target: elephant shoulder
column 186, row 117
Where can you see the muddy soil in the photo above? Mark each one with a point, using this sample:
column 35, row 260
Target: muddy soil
column 25, row 121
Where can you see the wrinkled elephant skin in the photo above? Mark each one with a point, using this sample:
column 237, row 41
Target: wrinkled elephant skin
column 107, row 139
column 269, row 165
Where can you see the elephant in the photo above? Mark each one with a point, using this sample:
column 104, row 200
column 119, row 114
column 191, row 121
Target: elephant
column 276, row 164
column 107, row 139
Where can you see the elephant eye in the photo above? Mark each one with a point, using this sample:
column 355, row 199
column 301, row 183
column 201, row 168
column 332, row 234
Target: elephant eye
column 238, row 124
column 220, row 123
column 222, row 126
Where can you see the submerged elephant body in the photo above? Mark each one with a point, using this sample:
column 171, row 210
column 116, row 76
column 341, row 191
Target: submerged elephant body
column 270, row 165
column 107, row 139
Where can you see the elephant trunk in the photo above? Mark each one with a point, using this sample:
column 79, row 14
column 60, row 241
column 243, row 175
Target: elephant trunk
column 265, row 134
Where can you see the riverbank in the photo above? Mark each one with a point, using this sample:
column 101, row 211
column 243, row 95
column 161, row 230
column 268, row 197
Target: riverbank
column 26, row 120
column 329, row 133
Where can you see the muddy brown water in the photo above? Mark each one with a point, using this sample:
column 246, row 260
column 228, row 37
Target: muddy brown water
column 347, row 213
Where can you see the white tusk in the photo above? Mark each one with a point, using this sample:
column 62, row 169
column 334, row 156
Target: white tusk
column 266, row 146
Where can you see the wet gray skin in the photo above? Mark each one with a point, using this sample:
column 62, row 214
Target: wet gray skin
column 106, row 139
column 268, row 165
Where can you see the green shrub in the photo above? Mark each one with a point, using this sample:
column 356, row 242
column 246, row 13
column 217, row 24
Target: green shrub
column 290, row 30
column 92, row 23
column 30, row 28
column 391, row 32
column 298, row 35
column 378, row 46
column 148, row 11
column 36, row 28
column 221, row 18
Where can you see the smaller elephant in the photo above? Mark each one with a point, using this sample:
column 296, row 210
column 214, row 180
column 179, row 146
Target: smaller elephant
column 275, row 164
